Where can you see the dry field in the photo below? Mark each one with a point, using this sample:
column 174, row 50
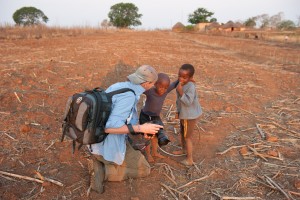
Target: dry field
column 246, row 145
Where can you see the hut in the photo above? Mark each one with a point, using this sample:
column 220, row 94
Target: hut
column 178, row 27
column 214, row 26
column 231, row 26
column 201, row 26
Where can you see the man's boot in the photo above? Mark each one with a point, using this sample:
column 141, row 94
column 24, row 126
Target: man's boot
column 97, row 175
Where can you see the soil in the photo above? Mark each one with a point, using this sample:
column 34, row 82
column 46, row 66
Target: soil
column 236, row 91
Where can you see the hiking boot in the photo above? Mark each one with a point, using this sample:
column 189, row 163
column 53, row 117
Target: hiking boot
column 97, row 174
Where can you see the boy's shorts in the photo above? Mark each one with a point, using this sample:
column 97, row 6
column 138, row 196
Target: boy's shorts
column 144, row 118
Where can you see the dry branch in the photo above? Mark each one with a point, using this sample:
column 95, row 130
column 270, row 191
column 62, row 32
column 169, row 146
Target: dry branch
column 172, row 180
column 230, row 148
column 52, row 143
column 9, row 136
column 239, row 198
column 21, row 177
column 294, row 193
column 5, row 113
column 234, row 147
column 197, row 180
column 278, row 187
column 257, row 154
column 279, row 126
column 17, row 97
column 32, row 179
column 243, row 109
column 170, row 154
column 75, row 78
column 264, row 156
column 169, row 112
column 180, row 193
column 263, row 135
column 169, row 190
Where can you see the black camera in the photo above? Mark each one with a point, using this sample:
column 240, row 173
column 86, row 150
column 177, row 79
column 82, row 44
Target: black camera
column 161, row 136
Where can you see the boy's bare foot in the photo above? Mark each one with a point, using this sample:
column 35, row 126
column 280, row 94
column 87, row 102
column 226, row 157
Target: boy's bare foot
column 187, row 162
column 179, row 152
column 150, row 159
column 158, row 155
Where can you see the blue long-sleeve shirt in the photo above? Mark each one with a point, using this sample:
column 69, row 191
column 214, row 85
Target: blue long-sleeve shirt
column 113, row 148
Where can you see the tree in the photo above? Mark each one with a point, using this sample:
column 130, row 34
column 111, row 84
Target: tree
column 265, row 20
column 213, row 20
column 27, row 16
column 200, row 15
column 276, row 19
column 250, row 22
column 286, row 25
column 124, row 15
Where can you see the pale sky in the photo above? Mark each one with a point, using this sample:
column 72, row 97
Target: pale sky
column 156, row 13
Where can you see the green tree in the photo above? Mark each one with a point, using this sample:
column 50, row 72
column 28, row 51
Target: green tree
column 250, row 22
column 200, row 15
column 27, row 16
column 213, row 20
column 286, row 25
column 124, row 15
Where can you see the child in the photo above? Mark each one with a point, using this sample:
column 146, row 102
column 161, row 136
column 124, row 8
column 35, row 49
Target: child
column 188, row 109
column 153, row 106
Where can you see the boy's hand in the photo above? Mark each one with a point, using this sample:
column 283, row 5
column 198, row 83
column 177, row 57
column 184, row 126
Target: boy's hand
column 179, row 89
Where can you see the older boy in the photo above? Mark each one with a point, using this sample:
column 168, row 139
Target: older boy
column 153, row 106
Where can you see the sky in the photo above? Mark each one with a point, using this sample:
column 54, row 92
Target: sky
column 161, row 14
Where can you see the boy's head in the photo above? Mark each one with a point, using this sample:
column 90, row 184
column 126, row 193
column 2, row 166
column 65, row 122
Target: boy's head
column 186, row 73
column 162, row 84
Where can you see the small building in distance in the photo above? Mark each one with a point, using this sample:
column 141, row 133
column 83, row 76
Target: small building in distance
column 214, row 26
column 178, row 27
column 231, row 26
column 201, row 26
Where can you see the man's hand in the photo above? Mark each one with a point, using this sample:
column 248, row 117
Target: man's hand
column 150, row 128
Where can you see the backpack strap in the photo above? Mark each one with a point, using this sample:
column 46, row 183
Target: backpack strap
column 120, row 91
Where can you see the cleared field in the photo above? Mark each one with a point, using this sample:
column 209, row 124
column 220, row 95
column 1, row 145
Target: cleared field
column 245, row 86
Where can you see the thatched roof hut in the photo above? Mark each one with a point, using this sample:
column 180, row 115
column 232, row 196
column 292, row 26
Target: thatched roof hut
column 214, row 26
column 231, row 26
column 178, row 27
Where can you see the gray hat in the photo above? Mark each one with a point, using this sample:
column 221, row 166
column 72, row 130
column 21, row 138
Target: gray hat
column 144, row 73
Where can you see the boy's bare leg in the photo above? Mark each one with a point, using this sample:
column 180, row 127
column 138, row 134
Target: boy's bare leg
column 148, row 154
column 182, row 141
column 189, row 143
column 154, row 143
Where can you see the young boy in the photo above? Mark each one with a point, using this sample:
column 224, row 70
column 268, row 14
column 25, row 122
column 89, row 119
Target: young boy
column 153, row 106
column 189, row 109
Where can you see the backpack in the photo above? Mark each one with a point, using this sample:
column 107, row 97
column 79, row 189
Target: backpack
column 86, row 114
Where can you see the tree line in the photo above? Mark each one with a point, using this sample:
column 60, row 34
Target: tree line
column 125, row 15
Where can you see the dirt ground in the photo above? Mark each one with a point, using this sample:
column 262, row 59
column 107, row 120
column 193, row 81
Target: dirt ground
column 242, row 92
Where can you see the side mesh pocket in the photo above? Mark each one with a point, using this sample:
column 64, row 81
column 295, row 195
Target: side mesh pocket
column 82, row 116
column 67, row 109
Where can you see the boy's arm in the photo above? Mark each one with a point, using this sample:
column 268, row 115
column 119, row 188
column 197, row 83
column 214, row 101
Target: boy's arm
column 172, row 86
